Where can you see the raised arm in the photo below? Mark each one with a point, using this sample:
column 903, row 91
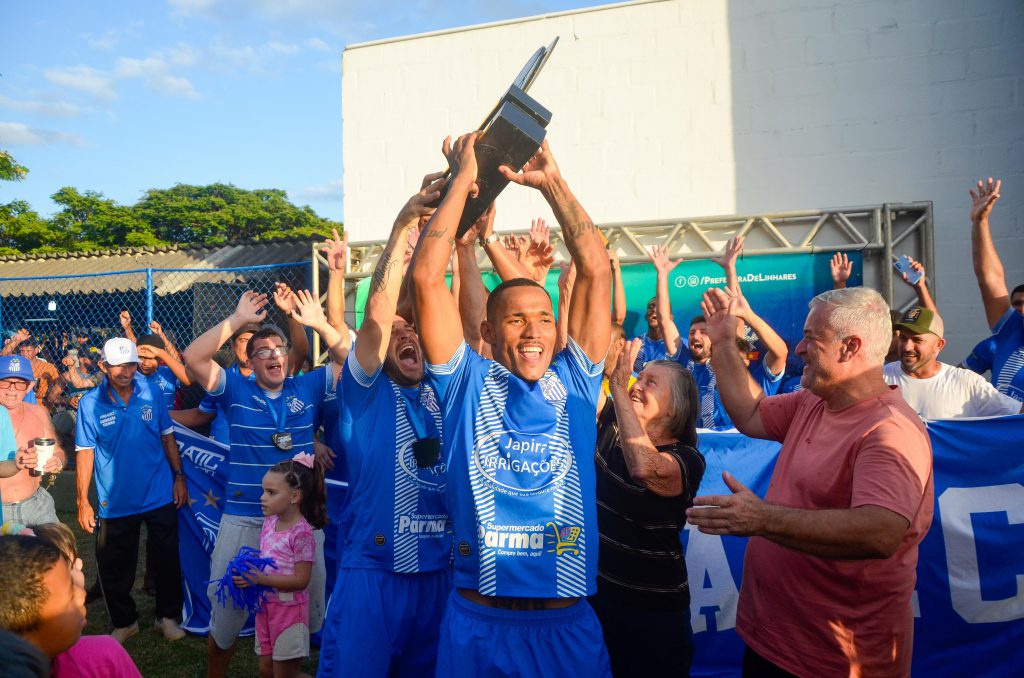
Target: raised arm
column 382, row 302
column 12, row 344
column 618, row 290
column 924, row 296
column 657, row 471
column 663, row 265
column 505, row 263
column 286, row 302
column 199, row 355
column 777, row 351
column 158, row 330
column 841, row 269
column 733, row 250
column 309, row 313
column 172, row 363
column 988, row 268
column 334, row 250
column 472, row 291
column 740, row 395
column 566, row 281
column 125, row 318
column 435, row 306
column 589, row 314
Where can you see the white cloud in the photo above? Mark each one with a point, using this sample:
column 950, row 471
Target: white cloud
column 53, row 109
column 83, row 78
column 154, row 74
column 329, row 191
column 20, row 134
column 317, row 44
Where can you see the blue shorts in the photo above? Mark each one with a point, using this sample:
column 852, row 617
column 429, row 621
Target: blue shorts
column 381, row 623
column 484, row 641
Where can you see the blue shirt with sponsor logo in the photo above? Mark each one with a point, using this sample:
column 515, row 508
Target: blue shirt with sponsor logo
column 395, row 518
column 521, row 479
column 1008, row 364
column 131, row 471
column 254, row 415
column 164, row 381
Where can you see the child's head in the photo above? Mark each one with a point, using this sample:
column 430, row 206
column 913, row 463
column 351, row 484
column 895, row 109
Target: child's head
column 61, row 536
column 296, row 481
column 39, row 600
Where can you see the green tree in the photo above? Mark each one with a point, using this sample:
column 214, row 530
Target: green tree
column 88, row 221
column 23, row 231
column 10, row 170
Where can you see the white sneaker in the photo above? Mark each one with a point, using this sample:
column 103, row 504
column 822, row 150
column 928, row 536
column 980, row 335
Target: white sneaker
column 125, row 632
column 168, row 628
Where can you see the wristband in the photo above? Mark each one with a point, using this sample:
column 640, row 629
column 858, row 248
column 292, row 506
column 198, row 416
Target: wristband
column 179, row 474
column 493, row 237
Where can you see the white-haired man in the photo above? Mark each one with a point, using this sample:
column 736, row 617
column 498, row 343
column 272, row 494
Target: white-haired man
column 831, row 563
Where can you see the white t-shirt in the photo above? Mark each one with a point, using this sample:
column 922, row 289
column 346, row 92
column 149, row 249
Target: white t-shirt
column 952, row 393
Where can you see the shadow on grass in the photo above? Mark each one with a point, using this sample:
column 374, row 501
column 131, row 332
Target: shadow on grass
column 155, row 657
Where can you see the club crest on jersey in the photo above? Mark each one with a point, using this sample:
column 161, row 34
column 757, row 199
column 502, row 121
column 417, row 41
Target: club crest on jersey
column 523, row 463
column 147, row 413
column 295, row 405
column 552, row 388
column 429, row 400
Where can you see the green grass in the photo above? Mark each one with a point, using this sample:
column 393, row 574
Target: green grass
column 155, row 657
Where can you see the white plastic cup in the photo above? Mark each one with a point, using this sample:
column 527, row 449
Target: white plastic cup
column 44, row 450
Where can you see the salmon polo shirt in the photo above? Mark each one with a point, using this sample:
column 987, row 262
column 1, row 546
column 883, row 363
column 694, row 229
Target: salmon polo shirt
column 827, row 617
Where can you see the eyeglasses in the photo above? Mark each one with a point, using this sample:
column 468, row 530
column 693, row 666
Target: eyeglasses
column 276, row 352
column 17, row 385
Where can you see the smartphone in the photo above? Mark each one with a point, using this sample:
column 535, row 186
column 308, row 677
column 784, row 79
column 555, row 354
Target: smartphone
column 902, row 265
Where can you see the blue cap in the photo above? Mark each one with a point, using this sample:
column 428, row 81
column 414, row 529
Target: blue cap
column 17, row 367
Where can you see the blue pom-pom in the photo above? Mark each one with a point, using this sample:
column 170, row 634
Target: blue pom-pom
column 243, row 565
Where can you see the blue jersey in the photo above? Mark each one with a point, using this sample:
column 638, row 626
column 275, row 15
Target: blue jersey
column 162, row 380
column 651, row 350
column 8, row 442
column 131, row 470
column 521, row 483
column 1008, row 365
column 982, row 356
column 254, row 415
column 712, row 411
column 395, row 517
column 219, row 429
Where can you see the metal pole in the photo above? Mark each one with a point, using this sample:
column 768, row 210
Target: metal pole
column 149, row 296
column 315, row 266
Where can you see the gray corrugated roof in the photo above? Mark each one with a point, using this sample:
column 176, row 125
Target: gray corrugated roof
column 56, row 268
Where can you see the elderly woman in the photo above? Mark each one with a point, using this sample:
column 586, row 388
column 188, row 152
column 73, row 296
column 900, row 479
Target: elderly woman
column 648, row 470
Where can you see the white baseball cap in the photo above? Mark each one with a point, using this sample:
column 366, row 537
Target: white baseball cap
column 118, row 351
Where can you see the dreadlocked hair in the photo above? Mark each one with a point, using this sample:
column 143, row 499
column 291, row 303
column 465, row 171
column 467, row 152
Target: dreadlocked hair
column 310, row 482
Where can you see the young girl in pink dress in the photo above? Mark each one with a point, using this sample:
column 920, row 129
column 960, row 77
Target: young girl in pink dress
column 294, row 502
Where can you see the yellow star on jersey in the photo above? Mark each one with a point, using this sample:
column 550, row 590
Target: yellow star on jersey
column 211, row 500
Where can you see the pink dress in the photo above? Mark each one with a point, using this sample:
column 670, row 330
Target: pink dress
column 282, row 624
column 94, row 657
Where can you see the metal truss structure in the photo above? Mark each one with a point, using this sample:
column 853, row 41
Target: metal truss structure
column 882, row 233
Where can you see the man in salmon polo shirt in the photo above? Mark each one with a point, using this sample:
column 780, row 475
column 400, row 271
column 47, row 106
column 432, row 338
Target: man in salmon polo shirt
column 831, row 563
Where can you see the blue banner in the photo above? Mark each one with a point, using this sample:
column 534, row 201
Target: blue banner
column 969, row 603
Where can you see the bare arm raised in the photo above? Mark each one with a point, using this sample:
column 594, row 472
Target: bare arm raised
column 663, row 265
column 988, row 268
column 589, row 313
column 199, row 355
column 435, row 307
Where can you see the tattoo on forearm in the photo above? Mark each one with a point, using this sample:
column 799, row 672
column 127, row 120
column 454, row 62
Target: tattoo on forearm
column 577, row 230
column 439, row 233
column 382, row 273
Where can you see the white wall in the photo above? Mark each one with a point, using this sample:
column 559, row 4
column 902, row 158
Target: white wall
column 700, row 107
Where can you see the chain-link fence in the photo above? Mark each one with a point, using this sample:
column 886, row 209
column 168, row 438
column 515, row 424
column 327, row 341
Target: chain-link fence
column 67, row 312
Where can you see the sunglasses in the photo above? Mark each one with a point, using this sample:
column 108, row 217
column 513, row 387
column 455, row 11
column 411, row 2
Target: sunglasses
column 17, row 385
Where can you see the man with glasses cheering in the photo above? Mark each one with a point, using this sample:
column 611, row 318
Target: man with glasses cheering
column 271, row 417
column 24, row 499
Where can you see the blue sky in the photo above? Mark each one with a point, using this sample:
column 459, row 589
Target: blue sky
column 120, row 97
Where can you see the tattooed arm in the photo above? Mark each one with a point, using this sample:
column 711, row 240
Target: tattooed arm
column 589, row 313
column 379, row 311
column 437, row 314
